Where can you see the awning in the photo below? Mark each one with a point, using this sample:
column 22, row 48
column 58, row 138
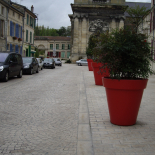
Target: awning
column 32, row 51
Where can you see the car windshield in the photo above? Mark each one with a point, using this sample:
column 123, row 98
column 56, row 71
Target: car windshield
column 3, row 56
column 47, row 60
column 56, row 59
column 27, row 60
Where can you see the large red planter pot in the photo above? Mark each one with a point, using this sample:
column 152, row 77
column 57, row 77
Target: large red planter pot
column 89, row 64
column 97, row 74
column 124, row 98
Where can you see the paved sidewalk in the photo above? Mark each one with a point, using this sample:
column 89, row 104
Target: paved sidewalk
column 109, row 139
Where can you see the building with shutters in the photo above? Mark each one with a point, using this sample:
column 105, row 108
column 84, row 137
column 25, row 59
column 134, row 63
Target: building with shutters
column 58, row 45
column 29, row 23
column 147, row 27
column 4, row 6
column 15, row 30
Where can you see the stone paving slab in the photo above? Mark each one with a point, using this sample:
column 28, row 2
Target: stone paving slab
column 109, row 139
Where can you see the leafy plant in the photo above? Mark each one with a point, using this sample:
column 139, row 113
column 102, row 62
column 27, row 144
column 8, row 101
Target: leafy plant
column 136, row 14
column 93, row 39
column 68, row 61
column 125, row 53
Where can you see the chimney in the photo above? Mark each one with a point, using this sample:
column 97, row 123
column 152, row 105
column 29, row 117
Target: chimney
column 32, row 8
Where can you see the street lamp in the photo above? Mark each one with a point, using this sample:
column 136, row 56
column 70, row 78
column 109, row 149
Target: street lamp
column 54, row 50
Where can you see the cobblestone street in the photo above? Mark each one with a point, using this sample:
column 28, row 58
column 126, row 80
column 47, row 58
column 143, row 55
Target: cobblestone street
column 62, row 112
column 39, row 113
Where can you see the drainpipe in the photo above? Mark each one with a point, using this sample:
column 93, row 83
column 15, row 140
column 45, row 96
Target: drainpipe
column 23, row 33
column 6, row 30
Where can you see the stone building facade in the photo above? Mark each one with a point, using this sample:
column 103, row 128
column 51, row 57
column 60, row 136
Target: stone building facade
column 54, row 46
column 29, row 22
column 90, row 16
column 15, row 30
column 147, row 27
column 4, row 6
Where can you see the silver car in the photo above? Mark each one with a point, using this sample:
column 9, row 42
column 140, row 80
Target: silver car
column 82, row 62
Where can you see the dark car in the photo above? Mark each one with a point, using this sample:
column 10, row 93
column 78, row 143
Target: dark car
column 57, row 61
column 30, row 65
column 49, row 63
column 11, row 64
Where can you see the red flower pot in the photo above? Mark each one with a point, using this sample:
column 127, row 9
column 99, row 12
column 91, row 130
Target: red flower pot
column 89, row 64
column 97, row 74
column 124, row 98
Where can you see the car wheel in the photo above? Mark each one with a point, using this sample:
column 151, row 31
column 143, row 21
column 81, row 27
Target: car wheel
column 54, row 66
column 37, row 71
column 20, row 74
column 79, row 64
column 31, row 71
column 6, row 77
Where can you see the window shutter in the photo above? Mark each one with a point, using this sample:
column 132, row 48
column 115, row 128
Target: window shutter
column 17, row 30
column 10, row 47
column 16, row 33
column 21, row 31
column 13, row 33
column 16, row 49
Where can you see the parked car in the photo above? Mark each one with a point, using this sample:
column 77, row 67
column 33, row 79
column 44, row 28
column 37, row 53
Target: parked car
column 40, row 62
column 30, row 65
column 49, row 63
column 57, row 61
column 11, row 64
column 82, row 62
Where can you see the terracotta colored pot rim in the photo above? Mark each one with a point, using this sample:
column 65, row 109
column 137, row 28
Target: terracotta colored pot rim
column 95, row 64
column 91, row 60
column 126, row 84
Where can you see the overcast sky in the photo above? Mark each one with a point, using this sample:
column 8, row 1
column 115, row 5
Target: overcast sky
column 54, row 13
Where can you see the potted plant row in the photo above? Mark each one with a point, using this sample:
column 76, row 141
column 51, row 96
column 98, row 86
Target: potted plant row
column 93, row 65
column 128, row 57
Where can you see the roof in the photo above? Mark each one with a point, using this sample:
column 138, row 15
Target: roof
column 132, row 4
column 21, row 7
column 56, row 38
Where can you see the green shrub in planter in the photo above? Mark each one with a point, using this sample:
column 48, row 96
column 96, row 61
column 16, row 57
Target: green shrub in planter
column 92, row 43
column 125, row 53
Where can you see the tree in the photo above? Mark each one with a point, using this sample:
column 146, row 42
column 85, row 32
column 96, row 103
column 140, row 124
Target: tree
column 62, row 31
column 136, row 14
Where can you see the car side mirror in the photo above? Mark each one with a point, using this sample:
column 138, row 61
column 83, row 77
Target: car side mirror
column 10, row 62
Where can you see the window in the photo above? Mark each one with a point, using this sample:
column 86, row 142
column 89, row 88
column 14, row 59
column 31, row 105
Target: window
column 57, row 46
column 14, row 29
column 51, row 46
column 31, row 21
column 30, row 37
column 27, row 35
column 2, row 10
column 1, row 28
column 68, row 46
column 27, row 19
column 68, row 54
column 7, row 46
column 63, row 46
column 62, row 54
column 19, row 31
column 18, row 16
column 13, row 13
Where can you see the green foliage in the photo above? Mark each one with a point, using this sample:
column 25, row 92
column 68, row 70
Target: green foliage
column 43, row 31
column 68, row 61
column 91, row 44
column 125, row 53
column 37, row 54
column 136, row 13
